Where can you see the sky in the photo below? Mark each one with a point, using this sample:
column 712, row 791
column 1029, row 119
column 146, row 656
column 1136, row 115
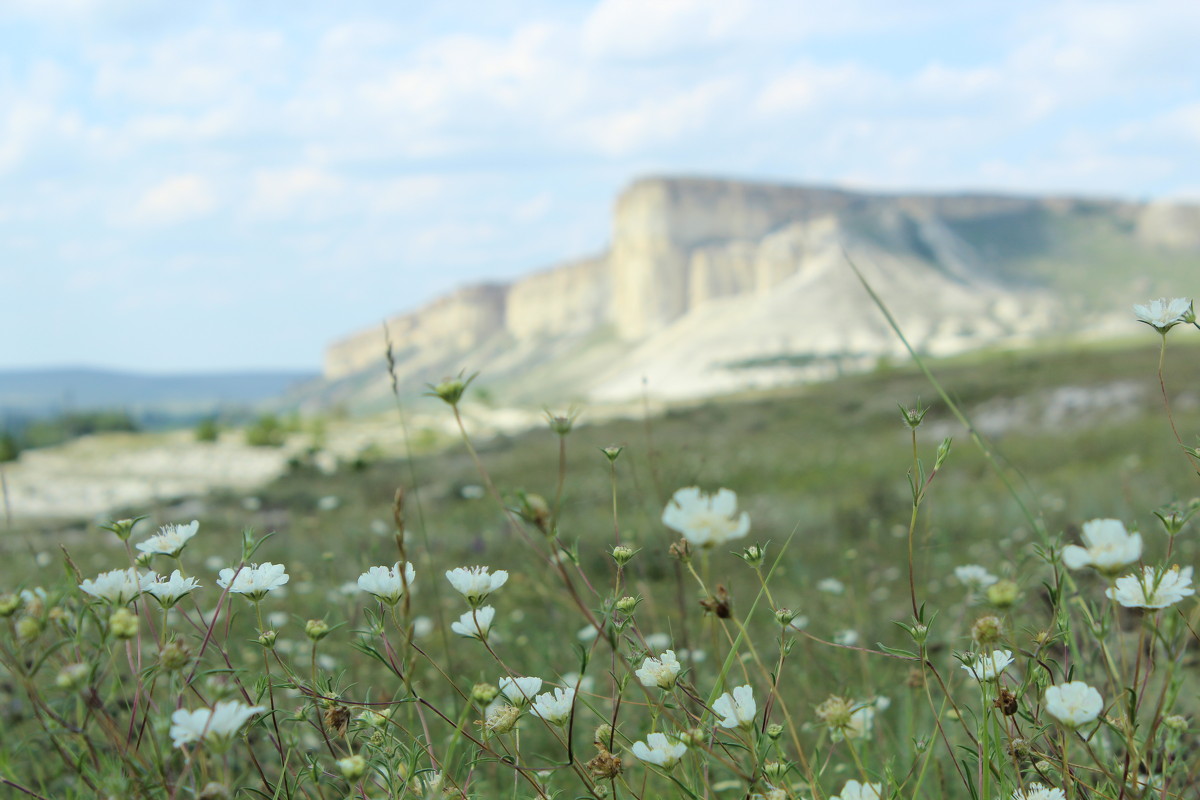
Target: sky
column 233, row 185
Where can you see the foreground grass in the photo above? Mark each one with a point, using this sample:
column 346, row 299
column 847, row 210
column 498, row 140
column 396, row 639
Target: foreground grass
column 823, row 475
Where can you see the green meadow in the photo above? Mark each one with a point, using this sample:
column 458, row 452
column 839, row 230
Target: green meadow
column 854, row 695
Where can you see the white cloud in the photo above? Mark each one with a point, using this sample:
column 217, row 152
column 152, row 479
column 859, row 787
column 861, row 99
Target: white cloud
column 180, row 198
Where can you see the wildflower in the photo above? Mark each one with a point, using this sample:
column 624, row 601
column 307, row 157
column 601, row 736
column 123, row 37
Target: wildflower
column 1073, row 704
column 253, row 581
column 475, row 583
column 475, row 623
column 1164, row 314
column 352, row 767
column 216, row 726
column 170, row 539
column 853, row 790
column 660, row 750
column 706, row 520
column 519, row 691
column 661, row 672
column 388, row 584
column 736, row 710
column 1152, row 589
column 168, row 591
column 118, row 586
column 974, row 576
column 831, row 586
column 1039, row 791
column 1109, row 547
column 9, row 604
column 989, row 667
column 555, row 706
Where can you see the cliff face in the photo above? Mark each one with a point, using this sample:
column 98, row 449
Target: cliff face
column 691, row 255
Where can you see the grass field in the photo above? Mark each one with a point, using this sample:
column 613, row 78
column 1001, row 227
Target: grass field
column 823, row 472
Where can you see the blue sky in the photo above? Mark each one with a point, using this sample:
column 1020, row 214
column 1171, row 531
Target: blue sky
column 214, row 185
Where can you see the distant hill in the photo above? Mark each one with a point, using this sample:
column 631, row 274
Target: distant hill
column 26, row 393
column 712, row 286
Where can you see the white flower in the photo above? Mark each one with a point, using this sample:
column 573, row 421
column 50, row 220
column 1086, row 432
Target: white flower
column 847, row 637
column 659, row 672
column 475, row 583
column 706, row 520
column 255, row 580
column 659, row 749
column 658, row 641
column 1038, row 791
column 168, row 591
column 736, row 710
column 475, row 623
column 989, row 667
column 388, row 584
column 519, row 691
column 118, row 586
column 1109, row 547
column 974, row 576
column 831, row 586
column 216, row 725
column 1074, row 704
column 170, row 540
column 853, row 790
column 861, row 723
column 554, row 707
column 1164, row 314
column 1152, row 589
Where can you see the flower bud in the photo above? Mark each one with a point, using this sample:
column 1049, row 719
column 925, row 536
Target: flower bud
column 122, row 528
column 603, row 733
column 774, row 731
column 622, row 554
column 451, row 390
column 73, row 676
column 123, row 623
column 774, row 770
column 174, row 656
column 626, row 605
column 987, row 630
column 316, row 629
column 612, row 452
column 1175, row 722
column 754, row 555
column 352, row 767
column 214, row 791
column 9, row 604
column 484, row 693
column 267, row 638
column 1003, row 593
